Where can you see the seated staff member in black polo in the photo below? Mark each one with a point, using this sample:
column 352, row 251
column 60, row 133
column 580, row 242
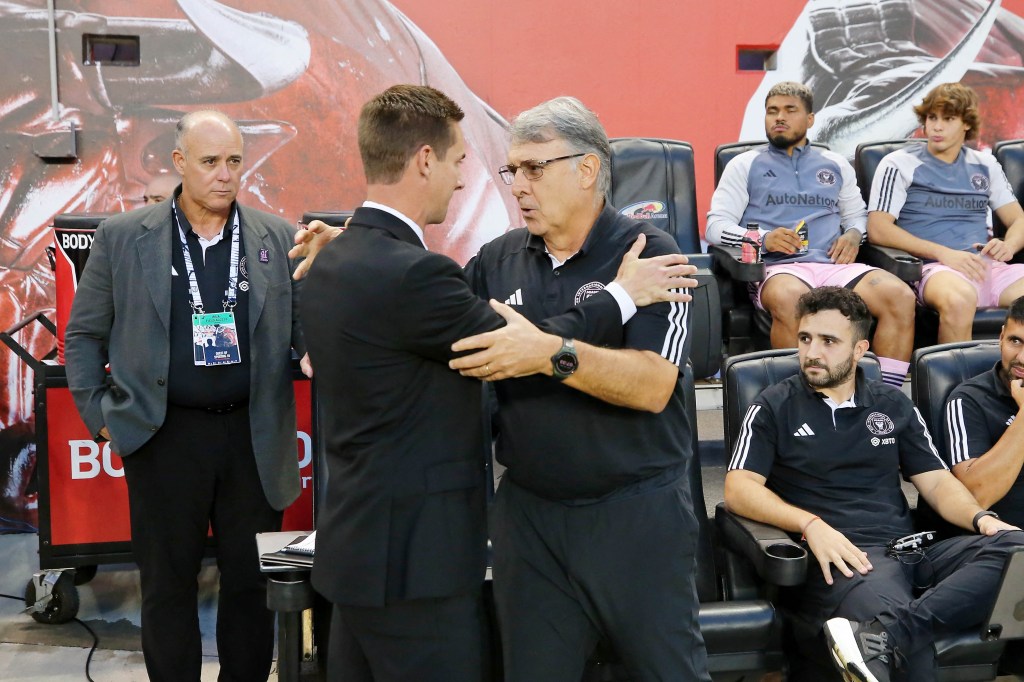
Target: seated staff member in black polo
column 848, row 504
column 984, row 429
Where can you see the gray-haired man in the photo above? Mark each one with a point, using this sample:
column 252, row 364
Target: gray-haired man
column 593, row 530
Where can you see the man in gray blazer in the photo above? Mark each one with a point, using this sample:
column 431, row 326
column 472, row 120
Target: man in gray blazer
column 206, row 441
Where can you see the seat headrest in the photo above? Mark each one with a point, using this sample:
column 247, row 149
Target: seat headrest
column 332, row 218
column 745, row 376
column 936, row 370
column 869, row 155
column 1010, row 155
column 653, row 180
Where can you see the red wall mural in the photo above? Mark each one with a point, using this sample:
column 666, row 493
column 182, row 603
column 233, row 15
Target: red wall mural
column 295, row 74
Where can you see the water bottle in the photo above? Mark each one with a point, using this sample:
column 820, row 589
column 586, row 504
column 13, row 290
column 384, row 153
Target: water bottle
column 751, row 244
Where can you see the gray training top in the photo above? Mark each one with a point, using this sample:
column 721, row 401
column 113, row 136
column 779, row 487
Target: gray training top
column 769, row 187
column 945, row 203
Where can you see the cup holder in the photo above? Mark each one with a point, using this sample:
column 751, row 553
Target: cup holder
column 785, row 552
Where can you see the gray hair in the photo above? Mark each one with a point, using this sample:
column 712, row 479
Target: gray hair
column 792, row 89
column 566, row 118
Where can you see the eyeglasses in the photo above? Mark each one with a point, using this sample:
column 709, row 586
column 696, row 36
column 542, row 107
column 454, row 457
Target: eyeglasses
column 532, row 170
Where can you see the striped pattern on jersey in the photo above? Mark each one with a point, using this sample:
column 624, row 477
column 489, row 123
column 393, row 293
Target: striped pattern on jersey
column 678, row 331
column 742, row 449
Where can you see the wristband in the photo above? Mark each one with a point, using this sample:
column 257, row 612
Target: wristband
column 803, row 531
column 977, row 517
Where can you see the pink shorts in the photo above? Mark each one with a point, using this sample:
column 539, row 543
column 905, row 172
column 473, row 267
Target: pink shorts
column 1000, row 276
column 814, row 275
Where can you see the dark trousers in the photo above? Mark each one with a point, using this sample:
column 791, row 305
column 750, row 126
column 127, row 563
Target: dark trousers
column 621, row 570
column 419, row 640
column 199, row 470
column 965, row 571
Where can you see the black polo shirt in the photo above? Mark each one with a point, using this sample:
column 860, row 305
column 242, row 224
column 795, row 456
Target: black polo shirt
column 218, row 385
column 978, row 412
column 556, row 441
column 847, row 471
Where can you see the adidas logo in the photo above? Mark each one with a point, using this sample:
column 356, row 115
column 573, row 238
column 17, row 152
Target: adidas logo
column 1010, row 420
column 770, row 174
column 516, row 298
column 804, row 430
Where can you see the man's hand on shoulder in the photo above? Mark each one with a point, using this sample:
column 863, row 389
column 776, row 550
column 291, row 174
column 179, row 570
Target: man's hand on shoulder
column 845, row 248
column 308, row 243
column 968, row 263
column 655, row 279
column 830, row 547
column 782, row 240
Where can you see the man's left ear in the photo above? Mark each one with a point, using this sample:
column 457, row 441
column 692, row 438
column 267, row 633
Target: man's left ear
column 861, row 348
column 589, row 168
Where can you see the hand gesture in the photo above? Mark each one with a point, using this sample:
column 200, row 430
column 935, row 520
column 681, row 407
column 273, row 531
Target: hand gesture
column 782, row 240
column 655, row 279
column 830, row 547
column 518, row 349
column 1017, row 391
column 308, row 243
column 845, row 248
column 996, row 249
column 968, row 263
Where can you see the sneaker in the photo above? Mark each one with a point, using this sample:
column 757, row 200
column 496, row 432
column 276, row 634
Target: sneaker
column 861, row 650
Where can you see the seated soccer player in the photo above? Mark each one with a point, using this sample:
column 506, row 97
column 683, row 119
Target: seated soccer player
column 789, row 184
column 933, row 200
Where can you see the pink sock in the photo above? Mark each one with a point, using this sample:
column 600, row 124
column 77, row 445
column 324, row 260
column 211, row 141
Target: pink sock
column 893, row 371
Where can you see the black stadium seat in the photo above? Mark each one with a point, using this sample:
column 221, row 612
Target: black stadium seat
column 935, row 371
column 987, row 321
column 1010, row 155
column 653, row 180
column 740, row 627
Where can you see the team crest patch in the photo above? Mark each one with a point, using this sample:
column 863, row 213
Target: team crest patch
column 645, row 210
column 979, row 182
column 826, row 177
column 586, row 291
column 879, row 424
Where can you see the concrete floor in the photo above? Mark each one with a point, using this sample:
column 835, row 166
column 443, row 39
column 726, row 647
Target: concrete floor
column 109, row 606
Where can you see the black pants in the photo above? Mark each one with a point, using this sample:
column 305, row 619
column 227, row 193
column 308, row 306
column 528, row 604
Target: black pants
column 199, row 470
column 965, row 572
column 419, row 640
column 622, row 570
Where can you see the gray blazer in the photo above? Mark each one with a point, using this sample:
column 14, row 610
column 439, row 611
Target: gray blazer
column 121, row 315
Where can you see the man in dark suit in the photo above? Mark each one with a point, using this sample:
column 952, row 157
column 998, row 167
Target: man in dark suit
column 402, row 535
column 202, row 444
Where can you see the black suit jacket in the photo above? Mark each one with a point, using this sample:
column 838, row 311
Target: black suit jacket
column 404, row 509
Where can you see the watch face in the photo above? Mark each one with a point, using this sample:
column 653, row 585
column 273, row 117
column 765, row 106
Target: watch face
column 566, row 363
